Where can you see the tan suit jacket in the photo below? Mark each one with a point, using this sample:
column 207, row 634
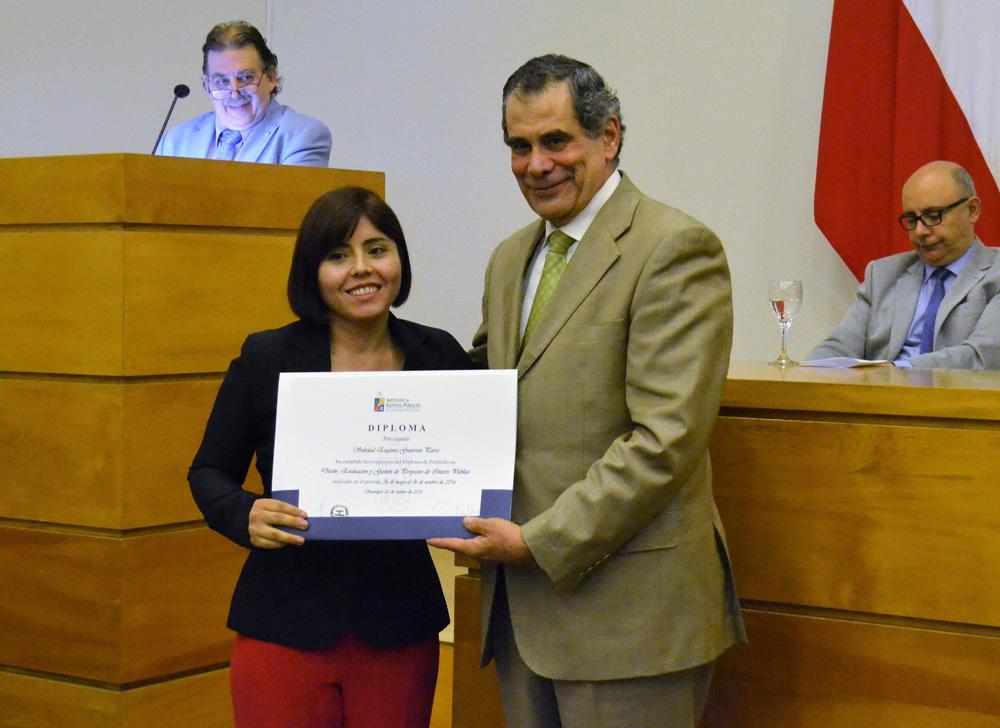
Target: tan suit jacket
column 619, row 388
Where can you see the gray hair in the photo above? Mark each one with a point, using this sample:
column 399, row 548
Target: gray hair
column 593, row 101
column 964, row 181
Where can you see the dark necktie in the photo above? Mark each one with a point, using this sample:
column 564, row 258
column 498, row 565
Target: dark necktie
column 555, row 264
column 228, row 140
column 939, row 276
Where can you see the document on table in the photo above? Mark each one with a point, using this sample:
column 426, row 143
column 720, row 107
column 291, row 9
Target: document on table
column 844, row 362
column 395, row 455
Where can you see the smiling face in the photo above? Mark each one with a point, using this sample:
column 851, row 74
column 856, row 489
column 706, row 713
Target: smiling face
column 933, row 187
column 360, row 279
column 240, row 108
column 557, row 166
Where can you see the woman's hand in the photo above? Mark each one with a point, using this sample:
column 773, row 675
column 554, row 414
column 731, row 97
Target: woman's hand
column 267, row 513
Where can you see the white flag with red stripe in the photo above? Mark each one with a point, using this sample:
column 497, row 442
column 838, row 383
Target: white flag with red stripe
column 907, row 82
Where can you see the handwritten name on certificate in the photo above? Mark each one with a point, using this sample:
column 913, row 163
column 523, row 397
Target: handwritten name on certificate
column 395, row 455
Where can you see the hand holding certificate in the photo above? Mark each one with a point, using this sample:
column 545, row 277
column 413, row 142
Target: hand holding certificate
column 395, row 455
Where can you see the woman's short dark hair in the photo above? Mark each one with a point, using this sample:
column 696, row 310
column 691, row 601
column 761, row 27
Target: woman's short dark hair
column 331, row 221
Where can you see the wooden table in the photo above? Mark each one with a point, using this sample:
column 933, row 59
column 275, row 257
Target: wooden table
column 863, row 513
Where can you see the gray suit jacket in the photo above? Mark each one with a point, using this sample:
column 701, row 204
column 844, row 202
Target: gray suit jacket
column 281, row 137
column 967, row 328
column 618, row 390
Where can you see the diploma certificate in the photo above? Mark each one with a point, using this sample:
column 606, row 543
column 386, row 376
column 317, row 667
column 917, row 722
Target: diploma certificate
column 395, row 455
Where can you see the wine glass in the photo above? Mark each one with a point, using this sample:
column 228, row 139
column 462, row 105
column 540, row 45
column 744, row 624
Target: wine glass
column 786, row 297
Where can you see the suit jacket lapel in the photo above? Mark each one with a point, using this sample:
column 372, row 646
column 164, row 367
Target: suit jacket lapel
column 506, row 303
column 204, row 144
column 908, row 289
column 596, row 252
column 970, row 276
column 309, row 349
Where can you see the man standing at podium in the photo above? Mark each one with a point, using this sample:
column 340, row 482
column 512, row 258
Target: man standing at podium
column 608, row 595
column 247, row 124
column 937, row 306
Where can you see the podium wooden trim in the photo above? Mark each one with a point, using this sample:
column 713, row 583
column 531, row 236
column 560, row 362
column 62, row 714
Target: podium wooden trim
column 128, row 284
column 862, row 517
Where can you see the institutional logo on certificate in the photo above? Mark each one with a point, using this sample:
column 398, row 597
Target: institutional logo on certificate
column 382, row 455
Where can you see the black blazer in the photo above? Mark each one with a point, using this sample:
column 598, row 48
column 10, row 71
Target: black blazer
column 385, row 592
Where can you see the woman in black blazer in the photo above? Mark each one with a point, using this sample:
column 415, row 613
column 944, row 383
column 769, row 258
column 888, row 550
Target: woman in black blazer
column 328, row 631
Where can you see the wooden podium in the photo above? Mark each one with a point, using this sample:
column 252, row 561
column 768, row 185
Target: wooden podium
column 127, row 284
column 863, row 517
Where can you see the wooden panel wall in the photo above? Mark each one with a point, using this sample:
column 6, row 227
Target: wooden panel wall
column 128, row 284
column 825, row 671
column 869, row 521
column 115, row 609
column 196, row 700
column 476, row 700
column 125, row 443
column 862, row 518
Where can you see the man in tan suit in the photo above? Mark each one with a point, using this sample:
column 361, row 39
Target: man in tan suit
column 608, row 595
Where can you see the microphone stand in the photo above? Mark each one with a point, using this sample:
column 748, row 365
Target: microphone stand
column 180, row 91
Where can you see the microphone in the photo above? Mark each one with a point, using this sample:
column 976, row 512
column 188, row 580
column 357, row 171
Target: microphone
column 180, row 91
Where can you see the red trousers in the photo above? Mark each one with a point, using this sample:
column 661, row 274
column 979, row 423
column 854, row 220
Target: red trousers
column 349, row 685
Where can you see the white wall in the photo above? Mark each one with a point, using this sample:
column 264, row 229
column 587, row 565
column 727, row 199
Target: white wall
column 721, row 98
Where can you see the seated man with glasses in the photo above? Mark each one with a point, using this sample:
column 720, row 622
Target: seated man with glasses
column 935, row 307
column 247, row 124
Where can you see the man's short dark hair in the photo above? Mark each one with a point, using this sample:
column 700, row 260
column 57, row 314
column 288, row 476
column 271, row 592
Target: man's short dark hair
column 240, row 34
column 593, row 101
column 331, row 221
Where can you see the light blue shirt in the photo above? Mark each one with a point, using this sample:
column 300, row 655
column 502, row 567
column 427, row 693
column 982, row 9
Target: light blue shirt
column 911, row 347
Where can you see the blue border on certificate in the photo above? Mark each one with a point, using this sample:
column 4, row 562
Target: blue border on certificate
column 492, row 504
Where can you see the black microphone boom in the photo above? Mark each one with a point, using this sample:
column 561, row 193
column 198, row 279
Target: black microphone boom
column 180, row 91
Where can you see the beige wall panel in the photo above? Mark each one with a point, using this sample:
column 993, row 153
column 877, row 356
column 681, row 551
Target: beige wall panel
column 61, row 612
column 229, row 194
column 176, row 593
column 35, row 702
column 866, row 522
column 198, row 700
column 192, row 297
column 809, row 671
column 137, row 188
column 61, row 443
column 84, row 188
column 115, row 610
column 163, row 426
column 61, row 301
column 104, row 454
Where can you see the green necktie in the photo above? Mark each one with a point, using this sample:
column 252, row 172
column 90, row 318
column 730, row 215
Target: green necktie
column 555, row 264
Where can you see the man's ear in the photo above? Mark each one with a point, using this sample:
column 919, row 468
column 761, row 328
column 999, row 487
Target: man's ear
column 975, row 208
column 612, row 137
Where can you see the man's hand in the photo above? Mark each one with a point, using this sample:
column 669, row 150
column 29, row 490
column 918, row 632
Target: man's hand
column 497, row 540
column 267, row 513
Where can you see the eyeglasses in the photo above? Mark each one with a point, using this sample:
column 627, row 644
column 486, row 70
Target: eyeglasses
column 929, row 218
column 244, row 83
